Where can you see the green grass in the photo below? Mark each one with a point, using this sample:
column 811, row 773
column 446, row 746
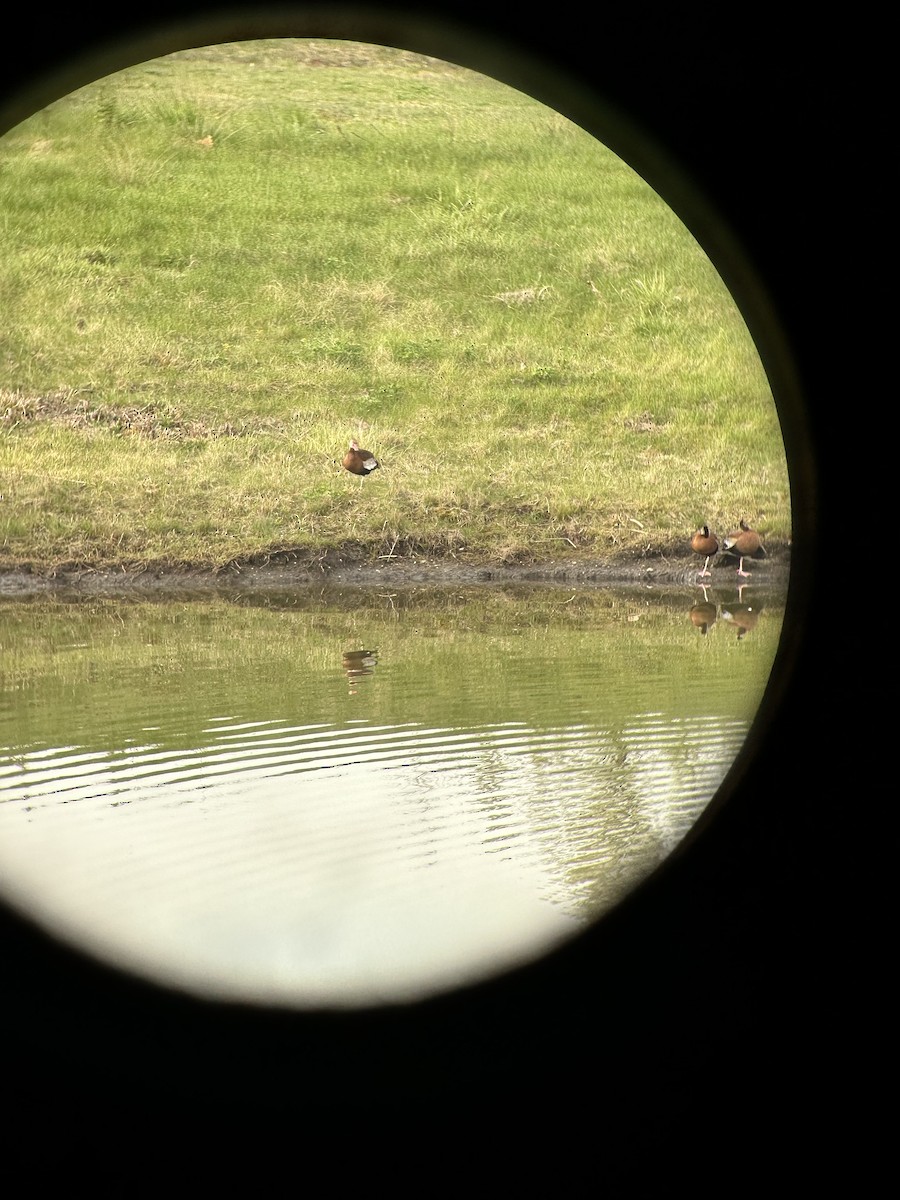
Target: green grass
column 218, row 267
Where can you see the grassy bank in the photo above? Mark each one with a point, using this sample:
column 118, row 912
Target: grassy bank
column 218, row 267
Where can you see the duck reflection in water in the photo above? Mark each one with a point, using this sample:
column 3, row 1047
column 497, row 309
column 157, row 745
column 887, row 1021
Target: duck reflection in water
column 703, row 614
column 358, row 663
column 739, row 614
column 743, row 617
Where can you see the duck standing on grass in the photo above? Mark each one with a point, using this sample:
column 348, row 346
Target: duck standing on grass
column 745, row 543
column 704, row 542
column 359, row 462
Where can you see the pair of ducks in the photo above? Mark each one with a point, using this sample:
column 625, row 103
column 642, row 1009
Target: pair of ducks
column 744, row 542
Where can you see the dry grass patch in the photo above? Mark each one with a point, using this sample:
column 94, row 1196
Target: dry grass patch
column 75, row 411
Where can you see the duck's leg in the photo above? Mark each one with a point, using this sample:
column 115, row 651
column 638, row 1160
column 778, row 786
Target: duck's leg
column 741, row 571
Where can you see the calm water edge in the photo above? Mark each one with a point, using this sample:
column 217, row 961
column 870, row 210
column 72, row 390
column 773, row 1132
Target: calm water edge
column 351, row 795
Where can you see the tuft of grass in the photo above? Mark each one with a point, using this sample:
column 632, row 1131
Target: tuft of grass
column 219, row 266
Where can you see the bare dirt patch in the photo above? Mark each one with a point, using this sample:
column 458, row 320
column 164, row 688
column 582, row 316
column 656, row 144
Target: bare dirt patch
column 287, row 568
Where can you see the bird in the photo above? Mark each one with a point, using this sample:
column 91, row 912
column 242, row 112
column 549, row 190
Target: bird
column 745, row 543
column 359, row 462
column 704, row 542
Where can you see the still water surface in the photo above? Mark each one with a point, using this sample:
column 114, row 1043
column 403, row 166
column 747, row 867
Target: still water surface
column 348, row 796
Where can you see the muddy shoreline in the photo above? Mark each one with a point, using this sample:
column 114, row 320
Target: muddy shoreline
column 137, row 580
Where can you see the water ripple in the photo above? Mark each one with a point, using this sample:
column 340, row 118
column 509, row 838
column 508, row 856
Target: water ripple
column 188, row 826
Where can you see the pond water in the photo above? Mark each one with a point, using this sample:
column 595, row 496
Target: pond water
column 355, row 795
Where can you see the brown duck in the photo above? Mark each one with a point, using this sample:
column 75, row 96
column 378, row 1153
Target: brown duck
column 704, row 542
column 745, row 543
column 359, row 462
